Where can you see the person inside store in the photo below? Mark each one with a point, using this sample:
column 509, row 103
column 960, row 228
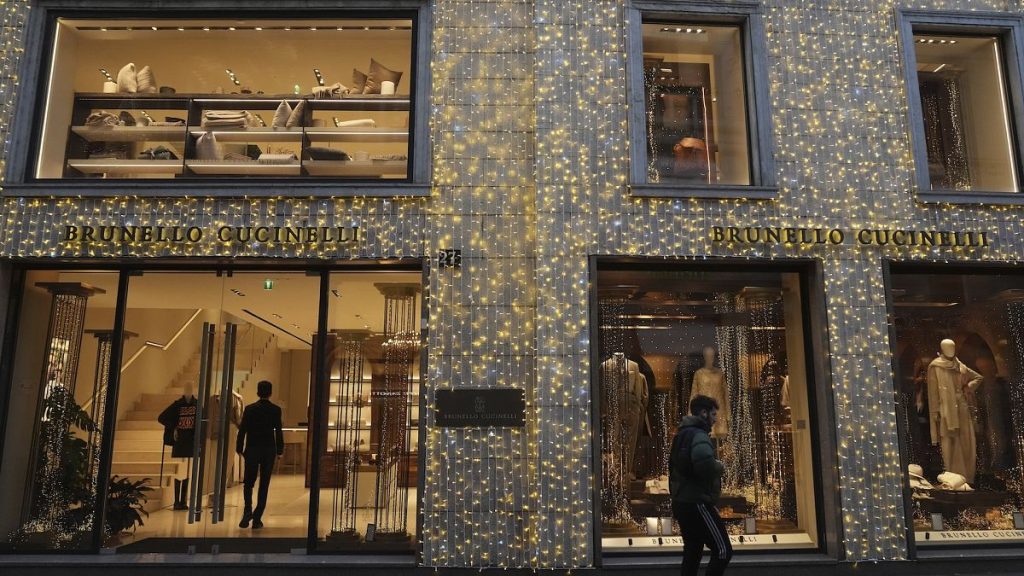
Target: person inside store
column 695, row 482
column 260, row 442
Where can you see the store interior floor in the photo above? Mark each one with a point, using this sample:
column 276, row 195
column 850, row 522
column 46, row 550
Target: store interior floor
column 285, row 519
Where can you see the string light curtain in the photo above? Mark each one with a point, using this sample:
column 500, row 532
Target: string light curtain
column 346, row 422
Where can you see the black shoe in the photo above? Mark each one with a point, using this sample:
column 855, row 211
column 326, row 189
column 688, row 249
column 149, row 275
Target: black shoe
column 246, row 516
column 257, row 524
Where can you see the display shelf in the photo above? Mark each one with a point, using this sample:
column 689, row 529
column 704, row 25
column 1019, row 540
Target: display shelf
column 107, row 166
column 357, row 134
column 252, row 134
column 242, row 168
column 367, row 168
column 131, row 133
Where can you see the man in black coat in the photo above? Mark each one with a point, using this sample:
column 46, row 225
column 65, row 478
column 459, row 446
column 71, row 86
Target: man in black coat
column 260, row 442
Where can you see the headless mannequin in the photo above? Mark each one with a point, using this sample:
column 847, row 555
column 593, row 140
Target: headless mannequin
column 631, row 386
column 709, row 380
column 950, row 386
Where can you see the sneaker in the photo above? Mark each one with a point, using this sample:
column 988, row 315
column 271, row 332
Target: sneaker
column 246, row 516
column 257, row 524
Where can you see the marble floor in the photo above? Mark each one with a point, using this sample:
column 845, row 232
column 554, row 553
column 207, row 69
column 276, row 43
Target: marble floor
column 286, row 516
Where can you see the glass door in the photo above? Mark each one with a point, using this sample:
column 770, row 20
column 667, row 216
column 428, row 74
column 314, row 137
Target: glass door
column 194, row 435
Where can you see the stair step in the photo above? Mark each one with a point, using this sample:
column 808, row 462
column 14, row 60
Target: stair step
column 144, row 469
column 153, row 480
column 148, row 414
column 123, row 454
column 139, row 425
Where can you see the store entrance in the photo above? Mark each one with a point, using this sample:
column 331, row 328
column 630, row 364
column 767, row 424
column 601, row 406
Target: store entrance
column 197, row 346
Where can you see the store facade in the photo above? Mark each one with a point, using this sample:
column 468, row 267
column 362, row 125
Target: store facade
column 487, row 252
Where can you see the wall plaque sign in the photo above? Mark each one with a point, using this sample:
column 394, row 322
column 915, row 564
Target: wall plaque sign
column 481, row 407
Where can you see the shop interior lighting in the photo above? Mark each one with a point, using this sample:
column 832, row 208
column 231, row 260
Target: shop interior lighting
column 389, row 28
column 319, row 77
column 936, row 41
column 233, row 77
column 680, row 30
column 106, row 74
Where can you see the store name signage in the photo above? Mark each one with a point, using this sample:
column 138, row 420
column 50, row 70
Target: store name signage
column 837, row 236
column 225, row 234
column 499, row 407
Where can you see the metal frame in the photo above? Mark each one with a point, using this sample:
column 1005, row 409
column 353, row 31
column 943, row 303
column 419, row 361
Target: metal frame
column 34, row 70
column 820, row 399
column 750, row 18
column 129, row 267
column 895, row 266
column 1010, row 29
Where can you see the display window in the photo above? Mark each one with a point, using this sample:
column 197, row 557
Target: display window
column 695, row 102
column 178, row 99
column 958, row 346
column 666, row 336
column 966, row 113
column 223, row 428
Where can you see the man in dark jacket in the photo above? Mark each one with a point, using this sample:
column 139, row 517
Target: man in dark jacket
column 260, row 442
column 695, row 480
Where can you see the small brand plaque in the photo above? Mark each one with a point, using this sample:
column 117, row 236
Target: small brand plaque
column 490, row 407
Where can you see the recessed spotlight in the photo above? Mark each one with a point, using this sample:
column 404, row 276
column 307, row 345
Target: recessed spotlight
column 312, row 28
column 259, row 28
column 153, row 28
column 103, row 29
column 181, row 28
column 206, row 28
column 288, row 28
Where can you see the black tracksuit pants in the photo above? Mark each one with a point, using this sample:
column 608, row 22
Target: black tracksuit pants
column 701, row 525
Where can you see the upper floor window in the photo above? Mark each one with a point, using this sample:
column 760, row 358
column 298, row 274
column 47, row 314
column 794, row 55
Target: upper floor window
column 695, row 99
column 177, row 99
column 700, row 124
column 964, row 88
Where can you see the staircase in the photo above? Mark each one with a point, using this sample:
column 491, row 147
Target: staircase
column 138, row 440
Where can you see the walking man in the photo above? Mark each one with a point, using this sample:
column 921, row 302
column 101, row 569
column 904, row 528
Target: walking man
column 260, row 442
column 695, row 479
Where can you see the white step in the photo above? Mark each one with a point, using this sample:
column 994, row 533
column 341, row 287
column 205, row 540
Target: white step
column 122, row 454
column 144, row 469
column 139, row 425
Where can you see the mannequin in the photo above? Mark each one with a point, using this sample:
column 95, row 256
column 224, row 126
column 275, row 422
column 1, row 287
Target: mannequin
column 950, row 383
column 624, row 377
column 179, row 421
column 709, row 380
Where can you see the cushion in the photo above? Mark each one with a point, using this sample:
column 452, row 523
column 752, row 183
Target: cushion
column 146, row 81
column 358, row 81
column 378, row 74
column 298, row 115
column 207, row 147
column 281, row 115
column 126, row 80
column 324, row 153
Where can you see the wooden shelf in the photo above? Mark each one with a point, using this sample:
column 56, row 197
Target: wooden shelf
column 367, row 168
column 131, row 133
column 252, row 134
column 357, row 134
column 243, row 168
column 106, row 166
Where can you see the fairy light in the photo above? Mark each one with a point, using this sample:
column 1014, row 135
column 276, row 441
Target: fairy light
column 532, row 183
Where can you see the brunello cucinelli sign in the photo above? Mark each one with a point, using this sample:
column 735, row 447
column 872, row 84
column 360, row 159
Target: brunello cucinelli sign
column 860, row 236
column 280, row 235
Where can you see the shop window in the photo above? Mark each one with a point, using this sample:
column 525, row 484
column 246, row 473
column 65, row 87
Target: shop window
column 49, row 478
column 184, row 99
column 702, row 121
column 666, row 336
column 959, row 346
column 963, row 85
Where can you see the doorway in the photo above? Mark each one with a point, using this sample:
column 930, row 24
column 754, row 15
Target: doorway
column 165, row 410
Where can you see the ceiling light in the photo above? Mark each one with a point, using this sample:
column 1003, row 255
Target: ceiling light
column 259, row 28
column 153, row 28
column 335, row 292
column 206, row 28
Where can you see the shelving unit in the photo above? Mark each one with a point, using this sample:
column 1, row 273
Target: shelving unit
column 84, row 141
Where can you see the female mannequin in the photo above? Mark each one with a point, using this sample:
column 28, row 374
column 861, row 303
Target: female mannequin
column 950, row 384
column 709, row 380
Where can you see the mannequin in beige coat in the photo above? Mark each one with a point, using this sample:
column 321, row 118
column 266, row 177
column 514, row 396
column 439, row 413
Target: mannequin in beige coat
column 710, row 381
column 949, row 383
column 624, row 378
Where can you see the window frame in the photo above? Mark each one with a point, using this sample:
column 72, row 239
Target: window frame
column 1009, row 28
column 31, row 106
column 890, row 268
column 824, row 436
column 749, row 16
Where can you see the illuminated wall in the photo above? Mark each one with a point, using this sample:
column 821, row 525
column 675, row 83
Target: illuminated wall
column 530, row 166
